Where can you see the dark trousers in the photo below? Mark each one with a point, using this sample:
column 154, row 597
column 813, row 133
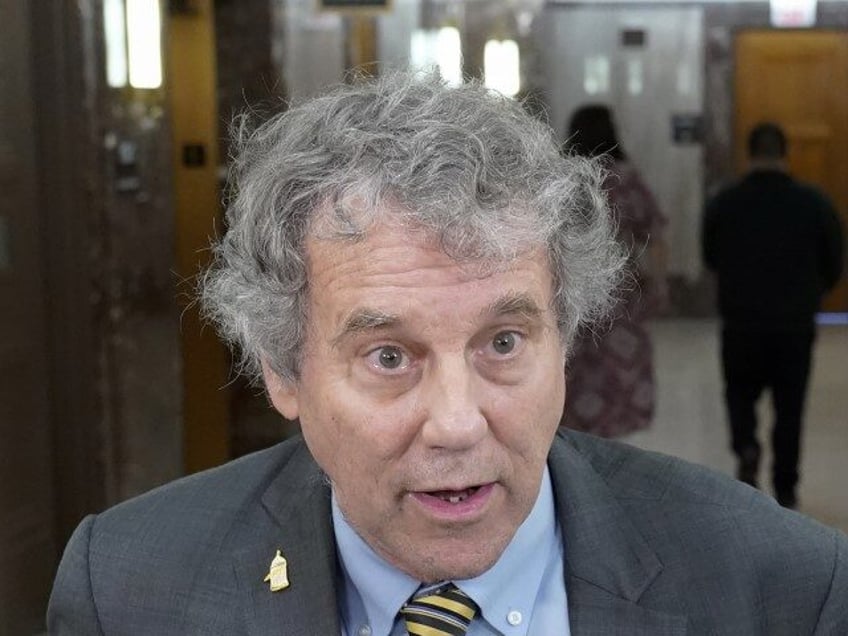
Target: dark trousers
column 753, row 361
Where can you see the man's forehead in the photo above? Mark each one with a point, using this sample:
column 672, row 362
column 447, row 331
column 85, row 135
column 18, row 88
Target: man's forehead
column 374, row 280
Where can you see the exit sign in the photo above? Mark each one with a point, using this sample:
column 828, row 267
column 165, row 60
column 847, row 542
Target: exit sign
column 793, row 13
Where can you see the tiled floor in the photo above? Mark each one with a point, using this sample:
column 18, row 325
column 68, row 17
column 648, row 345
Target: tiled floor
column 690, row 420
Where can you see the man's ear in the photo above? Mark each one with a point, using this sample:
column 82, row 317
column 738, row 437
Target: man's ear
column 283, row 393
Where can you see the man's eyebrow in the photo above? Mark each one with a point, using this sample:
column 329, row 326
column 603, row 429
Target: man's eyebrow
column 364, row 320
column 518, row 303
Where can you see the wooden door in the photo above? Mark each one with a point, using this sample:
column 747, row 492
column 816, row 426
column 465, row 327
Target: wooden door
column 194, row 127
column 27, row 539
column 799, row 80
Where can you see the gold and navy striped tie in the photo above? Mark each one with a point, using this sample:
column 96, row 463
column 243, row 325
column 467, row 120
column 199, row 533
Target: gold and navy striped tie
column 445, row 611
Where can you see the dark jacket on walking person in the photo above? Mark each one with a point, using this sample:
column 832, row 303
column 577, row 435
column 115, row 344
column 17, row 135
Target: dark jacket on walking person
column 776, row 247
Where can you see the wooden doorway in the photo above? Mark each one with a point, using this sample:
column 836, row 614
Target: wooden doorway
column 194, row 127
column 799, row 80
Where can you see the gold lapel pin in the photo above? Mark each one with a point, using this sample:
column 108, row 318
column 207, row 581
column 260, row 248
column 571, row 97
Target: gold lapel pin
column 278, row 574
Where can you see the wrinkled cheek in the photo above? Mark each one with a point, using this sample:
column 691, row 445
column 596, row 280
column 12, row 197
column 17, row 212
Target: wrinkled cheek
column 375, row 513
column 553, row 399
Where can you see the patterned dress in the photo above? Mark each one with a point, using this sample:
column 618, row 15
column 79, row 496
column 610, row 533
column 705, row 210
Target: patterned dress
column 610, row 375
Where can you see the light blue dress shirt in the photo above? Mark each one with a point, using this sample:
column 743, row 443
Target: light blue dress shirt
column 522, row 594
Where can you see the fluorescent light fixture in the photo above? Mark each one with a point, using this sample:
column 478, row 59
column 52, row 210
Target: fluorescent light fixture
column 635, row 79
column 440, row 48
column 144, row 27
column 596, row 75
column 501, row 66
column 115, row 28
column 420, row 47
column 449, row 55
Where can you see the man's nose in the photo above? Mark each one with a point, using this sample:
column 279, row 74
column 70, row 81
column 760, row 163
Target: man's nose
column 455, row 419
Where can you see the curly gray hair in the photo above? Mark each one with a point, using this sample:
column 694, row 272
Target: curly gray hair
column 467, row 165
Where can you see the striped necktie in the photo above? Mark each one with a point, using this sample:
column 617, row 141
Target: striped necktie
column 444, row 611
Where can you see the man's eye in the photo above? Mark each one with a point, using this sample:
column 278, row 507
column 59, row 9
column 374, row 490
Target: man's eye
column 388, row 357
column 504, row 342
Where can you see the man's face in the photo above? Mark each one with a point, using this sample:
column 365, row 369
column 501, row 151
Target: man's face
column 429, row 394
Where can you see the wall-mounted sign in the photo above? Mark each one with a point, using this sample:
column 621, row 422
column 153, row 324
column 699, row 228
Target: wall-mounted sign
column 194, row 155
column 355, row 5
column 634, row 37
column 793, row 13
column 687, row 128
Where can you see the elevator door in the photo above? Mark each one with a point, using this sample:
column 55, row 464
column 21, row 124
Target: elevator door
column 646, row 62
column 799, row 79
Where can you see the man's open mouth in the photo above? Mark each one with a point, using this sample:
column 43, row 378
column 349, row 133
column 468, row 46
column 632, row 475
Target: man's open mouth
column 454, row 496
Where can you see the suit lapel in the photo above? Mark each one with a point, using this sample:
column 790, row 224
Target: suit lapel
column 607, row 563
column 298, row 520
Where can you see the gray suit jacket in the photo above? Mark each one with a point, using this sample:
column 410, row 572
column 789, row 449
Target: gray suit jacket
column 653, row 546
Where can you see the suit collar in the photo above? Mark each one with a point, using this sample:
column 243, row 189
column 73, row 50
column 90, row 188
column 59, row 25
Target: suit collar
column 608, row 564
column 298, row 503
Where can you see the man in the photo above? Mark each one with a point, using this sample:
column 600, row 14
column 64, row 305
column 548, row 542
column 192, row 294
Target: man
column 405, row 267
column 776, row 246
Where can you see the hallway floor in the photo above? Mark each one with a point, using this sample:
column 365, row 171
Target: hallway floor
column 690, row 420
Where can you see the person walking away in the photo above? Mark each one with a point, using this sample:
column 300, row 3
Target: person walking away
column 776, row 247
column 610, row 376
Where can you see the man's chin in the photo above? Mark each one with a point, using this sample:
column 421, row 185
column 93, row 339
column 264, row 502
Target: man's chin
column 458, row 563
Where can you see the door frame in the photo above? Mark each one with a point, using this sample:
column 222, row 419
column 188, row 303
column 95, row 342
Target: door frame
column 67, row 169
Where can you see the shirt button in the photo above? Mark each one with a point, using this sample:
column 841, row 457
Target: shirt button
column 364, row 630
column 514, row 618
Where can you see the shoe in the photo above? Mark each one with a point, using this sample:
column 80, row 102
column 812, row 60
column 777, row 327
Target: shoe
column 748, row 466
column 787, row 499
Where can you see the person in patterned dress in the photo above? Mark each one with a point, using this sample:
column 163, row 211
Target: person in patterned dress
column 609, row 376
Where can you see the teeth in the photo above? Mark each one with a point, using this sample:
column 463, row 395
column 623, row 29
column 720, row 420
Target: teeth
column 457, row 497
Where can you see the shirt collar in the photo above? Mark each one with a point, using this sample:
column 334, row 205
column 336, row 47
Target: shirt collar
column 372, row 586
column 510, row 585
